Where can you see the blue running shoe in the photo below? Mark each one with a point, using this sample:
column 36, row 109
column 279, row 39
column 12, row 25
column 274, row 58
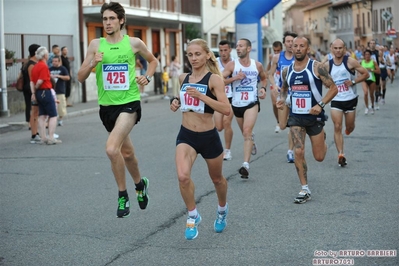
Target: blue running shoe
column 192, row 227
column 220, row 222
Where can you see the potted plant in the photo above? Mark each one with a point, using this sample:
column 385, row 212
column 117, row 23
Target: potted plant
column 10, row 60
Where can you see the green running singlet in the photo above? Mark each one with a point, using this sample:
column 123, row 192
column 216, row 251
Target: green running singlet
column 116, row 75
column 371, row 66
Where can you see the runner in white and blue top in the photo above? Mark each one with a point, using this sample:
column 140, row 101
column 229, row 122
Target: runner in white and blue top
column 245, row 73
column 343, row 69
column 229, row 92
column 306, row 77
column 223, row 122
column 279, row 62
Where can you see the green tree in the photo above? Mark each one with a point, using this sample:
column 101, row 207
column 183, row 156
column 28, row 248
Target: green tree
column 192, row 31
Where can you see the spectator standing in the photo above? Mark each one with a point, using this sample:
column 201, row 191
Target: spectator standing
column 60, row 75
column 158, row 76
column 41, row 92
column 174, row 70
column 55, row 51
column 165, row 82
column 65, row 62
column 31, row 107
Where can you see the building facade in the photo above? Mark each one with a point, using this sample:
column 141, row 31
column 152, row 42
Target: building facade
column 272, row 30
column 356, row 21
column 385, row 22
column 316, row 27
column 219, row 21
column 74, row 24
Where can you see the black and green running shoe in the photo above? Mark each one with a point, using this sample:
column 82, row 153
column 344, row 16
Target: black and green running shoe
column 142, row 195
column 123, row 207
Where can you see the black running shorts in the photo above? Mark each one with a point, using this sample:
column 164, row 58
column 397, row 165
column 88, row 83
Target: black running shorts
column 207, row 143
column 109, row 114
column 312, row 127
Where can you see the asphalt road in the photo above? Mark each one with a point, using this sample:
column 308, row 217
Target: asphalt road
column 58, row 203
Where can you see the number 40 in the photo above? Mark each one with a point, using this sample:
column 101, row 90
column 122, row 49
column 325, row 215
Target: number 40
column 300, row 103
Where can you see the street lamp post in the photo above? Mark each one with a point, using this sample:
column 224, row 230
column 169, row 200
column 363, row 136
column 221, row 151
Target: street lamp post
column 3, row 85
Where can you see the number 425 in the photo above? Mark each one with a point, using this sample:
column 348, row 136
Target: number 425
column 116, row 77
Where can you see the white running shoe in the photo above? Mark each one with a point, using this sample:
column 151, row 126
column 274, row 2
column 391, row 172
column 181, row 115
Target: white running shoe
column 366, row 111
column 227, row 155
column 244, row 170
column 35, row 140
column 55, row 136
column 277, row 129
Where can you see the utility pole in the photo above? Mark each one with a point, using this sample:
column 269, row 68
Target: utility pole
column 3, row 85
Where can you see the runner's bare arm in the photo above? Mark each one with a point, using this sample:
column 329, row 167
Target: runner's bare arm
column 90, row 60
column 284, row 87
column 222, row 104
column 263, row 79
column 272, row 70
column 262, row 74
column 322, row 72
column 138, row 46
column 228, row 70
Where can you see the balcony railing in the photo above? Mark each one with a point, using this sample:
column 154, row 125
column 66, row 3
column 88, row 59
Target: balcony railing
column 360, row 31
column 188, row 7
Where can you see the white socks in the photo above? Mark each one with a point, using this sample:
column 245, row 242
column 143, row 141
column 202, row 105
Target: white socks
column 306, row 187
column 193, row 213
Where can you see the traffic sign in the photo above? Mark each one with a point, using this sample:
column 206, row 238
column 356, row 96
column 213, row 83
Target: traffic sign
column 391, row 33
column 386, row 15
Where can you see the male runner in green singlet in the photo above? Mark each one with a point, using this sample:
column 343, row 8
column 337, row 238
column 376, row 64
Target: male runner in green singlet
column 114, row 59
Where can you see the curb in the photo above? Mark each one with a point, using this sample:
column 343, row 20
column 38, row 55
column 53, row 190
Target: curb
column 14, row 126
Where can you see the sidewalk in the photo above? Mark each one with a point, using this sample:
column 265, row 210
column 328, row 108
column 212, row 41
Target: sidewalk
column 17, row 121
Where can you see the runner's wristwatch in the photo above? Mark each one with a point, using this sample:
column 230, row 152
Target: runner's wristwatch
column 148, row 78
column 353, row 82
column 321, row 104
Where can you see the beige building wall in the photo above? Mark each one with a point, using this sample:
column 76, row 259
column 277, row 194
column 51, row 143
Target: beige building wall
column 362, row 23
column 315, row 26
column 294, row 16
